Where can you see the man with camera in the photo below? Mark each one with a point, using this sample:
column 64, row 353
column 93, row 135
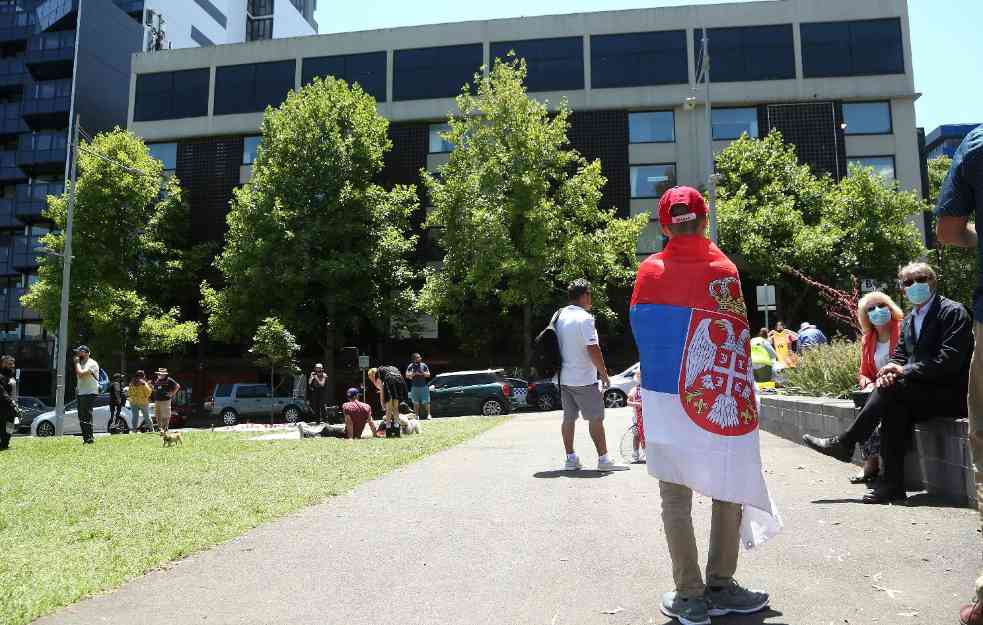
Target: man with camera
column 87, row 374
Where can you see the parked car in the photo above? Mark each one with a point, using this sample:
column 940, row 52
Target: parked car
column 30, row 407
column 621, row 384
column 470, row 392
column 520, row 389
column 44, row 424
column 235, row 402
column 543, row 395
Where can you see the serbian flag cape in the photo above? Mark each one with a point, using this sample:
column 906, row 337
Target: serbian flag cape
column 698, row 395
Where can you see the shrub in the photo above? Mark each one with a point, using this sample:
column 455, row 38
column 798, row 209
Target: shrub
column 826, row 371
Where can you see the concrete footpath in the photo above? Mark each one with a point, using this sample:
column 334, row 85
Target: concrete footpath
column 492, row 532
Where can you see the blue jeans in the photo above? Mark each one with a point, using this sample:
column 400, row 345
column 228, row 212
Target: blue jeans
column 138, row 416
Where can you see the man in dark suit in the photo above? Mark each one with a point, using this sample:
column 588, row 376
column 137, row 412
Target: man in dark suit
column 926, row 378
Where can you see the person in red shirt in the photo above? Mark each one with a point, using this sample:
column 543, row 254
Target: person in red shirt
column 357, row 413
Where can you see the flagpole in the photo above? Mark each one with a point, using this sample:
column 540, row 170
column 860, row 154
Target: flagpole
column 711, row 177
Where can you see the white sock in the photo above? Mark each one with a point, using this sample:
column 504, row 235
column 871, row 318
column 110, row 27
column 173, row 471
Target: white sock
column 603, row 458
column 572, row 456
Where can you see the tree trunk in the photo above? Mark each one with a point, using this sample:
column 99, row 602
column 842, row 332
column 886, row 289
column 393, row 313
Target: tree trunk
column 527, row 337
column 272, row 390
column 329, row 349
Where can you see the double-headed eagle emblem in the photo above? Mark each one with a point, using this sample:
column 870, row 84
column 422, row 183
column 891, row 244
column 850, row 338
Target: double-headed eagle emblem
column 722, row 369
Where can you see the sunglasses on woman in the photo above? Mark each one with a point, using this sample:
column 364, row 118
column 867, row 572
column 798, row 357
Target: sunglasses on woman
column 909, row 281
column 874, row 307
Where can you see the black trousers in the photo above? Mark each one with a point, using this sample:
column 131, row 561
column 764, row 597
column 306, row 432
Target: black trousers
column 114, row 411
column 897, row 409
column 319, row 404
column 85, row 416
column 4, row 434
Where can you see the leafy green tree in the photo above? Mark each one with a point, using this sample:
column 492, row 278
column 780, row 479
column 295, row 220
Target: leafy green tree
column 957, row 267
column 517, row 208
column 313, row 240
column 274, row 346
column 124, row 262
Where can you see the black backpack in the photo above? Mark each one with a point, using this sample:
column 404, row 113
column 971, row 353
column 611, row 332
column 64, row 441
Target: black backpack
column 546, row 350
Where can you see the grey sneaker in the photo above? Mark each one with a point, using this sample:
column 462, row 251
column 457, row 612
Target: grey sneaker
column 734, row 599
column 573, row 464
column 694, row 611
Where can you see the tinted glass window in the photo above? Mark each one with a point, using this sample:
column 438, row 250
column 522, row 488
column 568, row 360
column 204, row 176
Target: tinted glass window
column 166, row 153
column 446, row 381
column 852, row 48
column 251, row 88
column 731, row 123
column 883, row 165
column 249, row 145
column 171, row 95
column 252, row 391
column 438, row 144
column 651, row 181
column 553, row 64
column 651, row 127
column 223, row 390
column 867, row 118
column 423, row 73
column 368, row 70
column 748, row 53
column 637, row 59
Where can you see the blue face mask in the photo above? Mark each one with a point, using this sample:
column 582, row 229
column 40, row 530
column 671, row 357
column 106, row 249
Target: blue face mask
column 918, row 293
column 880, row 316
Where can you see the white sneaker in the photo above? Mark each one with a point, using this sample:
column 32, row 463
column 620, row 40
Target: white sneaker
column 610, row 465
column 635, row 456
column 573, row 464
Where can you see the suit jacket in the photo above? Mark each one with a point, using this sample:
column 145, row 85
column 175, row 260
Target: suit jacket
column 941, row 354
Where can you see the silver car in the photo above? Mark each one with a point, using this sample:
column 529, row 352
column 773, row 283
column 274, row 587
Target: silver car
column 621, row 384
column 240, row 402
column 45, row 424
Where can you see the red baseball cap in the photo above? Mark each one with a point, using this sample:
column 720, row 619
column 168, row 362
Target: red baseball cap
column 687, row 196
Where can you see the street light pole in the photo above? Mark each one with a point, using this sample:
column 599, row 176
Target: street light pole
column 711, row 174
column 66, row 280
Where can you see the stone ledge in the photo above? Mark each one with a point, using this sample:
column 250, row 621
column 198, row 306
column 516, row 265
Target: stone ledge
column 938, row 463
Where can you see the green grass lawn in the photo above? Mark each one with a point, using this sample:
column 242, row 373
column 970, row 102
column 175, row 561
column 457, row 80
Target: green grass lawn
column 76, row 520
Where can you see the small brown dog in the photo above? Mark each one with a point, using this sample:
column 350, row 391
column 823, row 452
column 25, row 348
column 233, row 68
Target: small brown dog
column 171, row 438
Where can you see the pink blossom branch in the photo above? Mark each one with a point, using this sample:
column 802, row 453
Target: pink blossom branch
column 842, row 304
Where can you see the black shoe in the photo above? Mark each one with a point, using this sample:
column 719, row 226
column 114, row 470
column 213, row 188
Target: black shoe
column 865, row 478
column 832, row 447
column 882, row 493
column 88, row 441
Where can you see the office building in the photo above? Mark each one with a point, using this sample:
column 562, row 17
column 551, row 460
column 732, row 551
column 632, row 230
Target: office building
column 834, row 77
column 198, row 23
column 944, row 140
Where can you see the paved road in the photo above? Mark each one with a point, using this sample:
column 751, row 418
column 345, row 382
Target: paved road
column 491, row 533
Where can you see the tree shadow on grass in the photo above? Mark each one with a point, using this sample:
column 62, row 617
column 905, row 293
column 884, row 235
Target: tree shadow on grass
column 576, row 473
column 758, row 618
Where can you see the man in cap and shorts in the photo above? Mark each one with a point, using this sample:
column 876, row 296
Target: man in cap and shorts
column 582, row 363
column 87, row 374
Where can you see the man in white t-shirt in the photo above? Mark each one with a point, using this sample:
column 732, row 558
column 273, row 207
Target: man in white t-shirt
column 582, row 364
column 87, row 373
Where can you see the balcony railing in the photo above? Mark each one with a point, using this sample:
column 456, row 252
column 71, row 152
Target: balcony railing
column 8, row 167
column 11, row 73
column 32, row 199
column 8, row 220
column 16, row 25
column 42, row 151
column 47, row 103
column 51, row 54
column 55, row 13
column 26, row 253
column 11, row 119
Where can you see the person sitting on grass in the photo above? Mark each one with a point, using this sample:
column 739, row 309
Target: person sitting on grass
column 880, row 318
column 635, row 401
column 358, row 414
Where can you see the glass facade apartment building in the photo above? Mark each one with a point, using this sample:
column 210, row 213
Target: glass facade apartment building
column 50, row 51
column 834, row 77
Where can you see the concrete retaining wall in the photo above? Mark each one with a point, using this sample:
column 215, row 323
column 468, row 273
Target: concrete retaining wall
column 938, row 463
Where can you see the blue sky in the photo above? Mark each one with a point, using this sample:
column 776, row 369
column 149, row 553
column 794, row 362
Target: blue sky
column 945, row 38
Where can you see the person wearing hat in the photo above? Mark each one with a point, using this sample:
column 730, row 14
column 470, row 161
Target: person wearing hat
column 164, row 390
column 86, row 390
column 318, row 385
column 809, row 337
column 688, row 315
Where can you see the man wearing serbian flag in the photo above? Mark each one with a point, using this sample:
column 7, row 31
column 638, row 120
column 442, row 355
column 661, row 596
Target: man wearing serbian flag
column 700, row 409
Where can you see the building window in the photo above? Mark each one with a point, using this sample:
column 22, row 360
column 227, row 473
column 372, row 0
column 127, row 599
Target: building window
column 651, row 181
column 166, row 153
column 652, row 127
column 249, row 147
column 49, row 89
column 251, row 88
column 259, row 8
column 638, row 59
column 883, row 165
column 730, row 124
column 867, row 118
column 552, row 64
column 439, row 145
column 259, row 30
column 865, row 48
column 424, row 73
column 748, row 53
column 368, row 70
column 32, row 331
column 171, row 95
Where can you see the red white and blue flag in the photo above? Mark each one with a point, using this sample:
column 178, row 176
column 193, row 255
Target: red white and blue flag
column 698, row 395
